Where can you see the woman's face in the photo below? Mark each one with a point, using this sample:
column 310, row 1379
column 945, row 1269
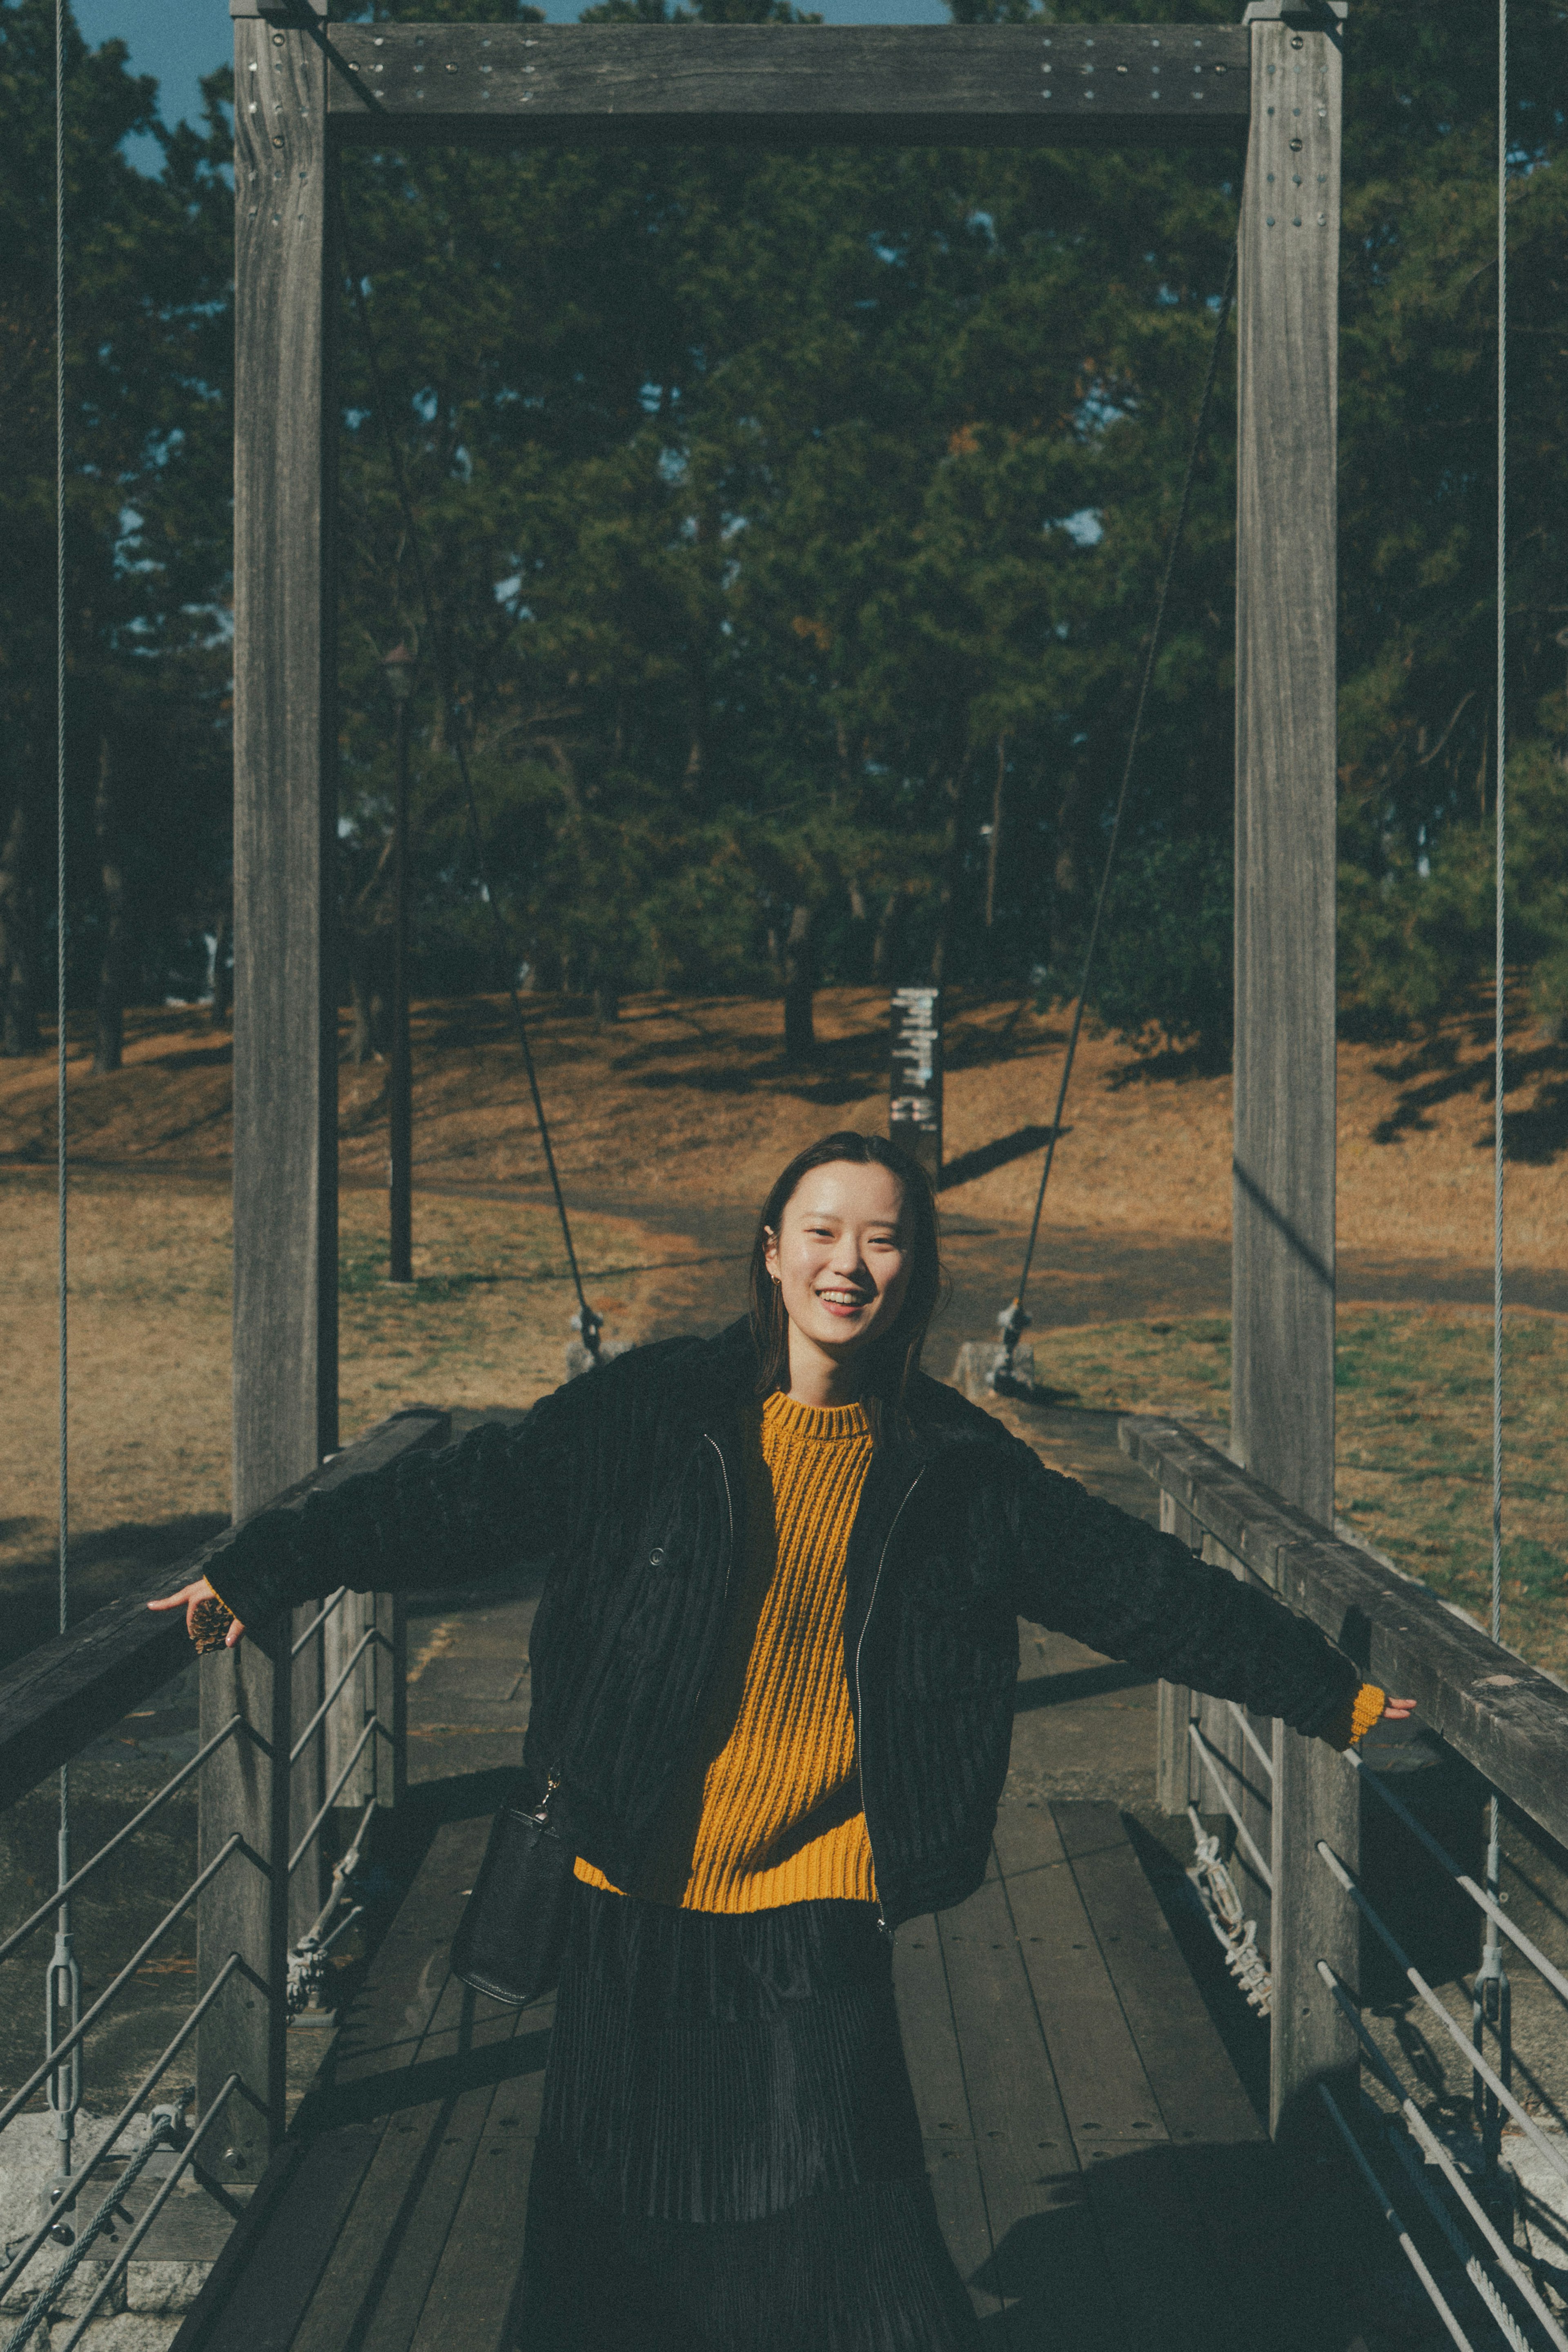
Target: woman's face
column 841, row 1255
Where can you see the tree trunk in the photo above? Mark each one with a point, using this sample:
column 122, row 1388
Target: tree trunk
column 799, row 979
column 222, row 1011
column 859, row 931
column 884, row 945
column 366, row 1038
column 994, row 847
column 19, row 1008
column 107, row 826
column 606, row 1003
column 952, row 871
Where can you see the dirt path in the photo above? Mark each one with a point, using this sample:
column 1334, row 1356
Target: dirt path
column 669, row 1127
column 1080, row 1276
column 686, row 1104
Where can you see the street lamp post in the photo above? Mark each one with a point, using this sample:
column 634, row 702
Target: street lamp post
column 398, row 670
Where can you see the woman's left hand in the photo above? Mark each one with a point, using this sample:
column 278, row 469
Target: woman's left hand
column 1396, row 1710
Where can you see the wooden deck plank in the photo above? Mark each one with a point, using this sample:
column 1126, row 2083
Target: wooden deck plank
column 1049, row 2263
column 307, row 2217
column 1233, row 2175
column 1201, row 2094
column 1105, row 2093
column 349, row 2290
column 441, row 2034
column 386, row 2025
column 941, row 2102
column 1167, row 2209
column 430, row 2222
column 469, row 2299
column 1026, row 1838
column 1155, row 2244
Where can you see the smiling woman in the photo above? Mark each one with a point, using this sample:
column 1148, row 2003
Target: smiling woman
column 773, row 1679
column 845, row 1269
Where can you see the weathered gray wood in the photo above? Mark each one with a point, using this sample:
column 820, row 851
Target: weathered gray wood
column 71, row 1688
column 1048, row 2254
column 1244, row 1777
column 267, row 2290
column 1199, row 2093
column 245, row 1909
column 1316, row 1796
column 1283, row 1186
column 246, row 1785
column 469, row 2300
column 1237, row 2190
column 941, row 2102
column 1176, row 1769
column 308, row 1782
column 979, row 84
column 1146, row 2227
column 1105, row 2091
column 286, row 1063
column 1504, row 1716
column 416, row 2254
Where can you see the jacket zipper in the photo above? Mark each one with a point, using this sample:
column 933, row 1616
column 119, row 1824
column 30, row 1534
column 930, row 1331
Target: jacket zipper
column 728, row 1568
column 860, row 1702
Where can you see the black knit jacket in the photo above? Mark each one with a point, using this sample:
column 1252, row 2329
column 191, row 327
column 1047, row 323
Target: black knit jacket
column 630, row 1480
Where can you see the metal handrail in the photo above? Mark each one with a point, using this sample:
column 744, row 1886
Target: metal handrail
column 1488, row 2073
column 62, row 1894
column 300, row 1851
column 187, row 2157
column 366, row 1638
column 63, row 2048
column 1503, row 1718
column 1478, row 1895
column 1212, row 1760
column 106, row 2147
column 1407, row 2245
column 72, row 1689
column 315, row 1623
column 1433, row 2150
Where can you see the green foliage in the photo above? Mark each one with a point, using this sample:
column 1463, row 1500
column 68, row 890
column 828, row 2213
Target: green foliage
column 149, row 338
column 793, row 524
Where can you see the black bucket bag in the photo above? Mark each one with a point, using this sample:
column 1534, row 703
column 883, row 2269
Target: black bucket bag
column 512, row 1934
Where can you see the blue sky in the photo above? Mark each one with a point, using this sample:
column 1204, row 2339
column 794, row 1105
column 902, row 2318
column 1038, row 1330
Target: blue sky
column 179, row 40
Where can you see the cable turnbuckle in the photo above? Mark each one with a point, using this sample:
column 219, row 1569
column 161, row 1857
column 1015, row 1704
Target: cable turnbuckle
column 588, row 1326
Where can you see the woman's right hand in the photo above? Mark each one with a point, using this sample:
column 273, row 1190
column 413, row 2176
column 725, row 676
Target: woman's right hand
column 190, row 1600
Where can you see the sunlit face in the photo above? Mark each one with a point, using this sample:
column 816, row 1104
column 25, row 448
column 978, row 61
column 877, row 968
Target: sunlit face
column 842, row 1255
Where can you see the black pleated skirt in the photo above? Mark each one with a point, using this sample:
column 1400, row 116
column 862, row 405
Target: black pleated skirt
column 729, row 2158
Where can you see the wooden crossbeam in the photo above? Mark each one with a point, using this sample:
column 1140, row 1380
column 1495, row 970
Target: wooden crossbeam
column 887, row 85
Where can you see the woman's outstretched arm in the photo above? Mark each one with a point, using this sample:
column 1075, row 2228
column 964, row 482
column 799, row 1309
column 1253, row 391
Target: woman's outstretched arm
column 501, row 1494
column 1090, row 1570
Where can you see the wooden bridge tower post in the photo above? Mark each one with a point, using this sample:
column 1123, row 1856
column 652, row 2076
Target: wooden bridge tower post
column 1283, row 1167
column 285, row 1022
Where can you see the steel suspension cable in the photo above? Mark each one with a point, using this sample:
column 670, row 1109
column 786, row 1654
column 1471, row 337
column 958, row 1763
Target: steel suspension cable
column 1015, row 1322
column 1490, row 1993
column 588, row 1323
column 63, row 1980
column 1501, row 851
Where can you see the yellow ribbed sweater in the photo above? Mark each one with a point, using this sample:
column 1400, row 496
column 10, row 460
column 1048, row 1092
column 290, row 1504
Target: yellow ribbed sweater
column 767, row 1809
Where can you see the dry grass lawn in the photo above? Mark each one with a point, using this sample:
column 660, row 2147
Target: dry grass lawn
column 690, row 1100
column 1412, row 1398
column 686, row 1104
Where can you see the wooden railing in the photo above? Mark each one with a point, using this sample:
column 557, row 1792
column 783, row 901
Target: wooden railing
column 1482, row 1702
column 303, row 1718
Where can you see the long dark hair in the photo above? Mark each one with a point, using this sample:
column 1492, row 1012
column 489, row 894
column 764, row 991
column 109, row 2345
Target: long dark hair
column 893, row 1358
